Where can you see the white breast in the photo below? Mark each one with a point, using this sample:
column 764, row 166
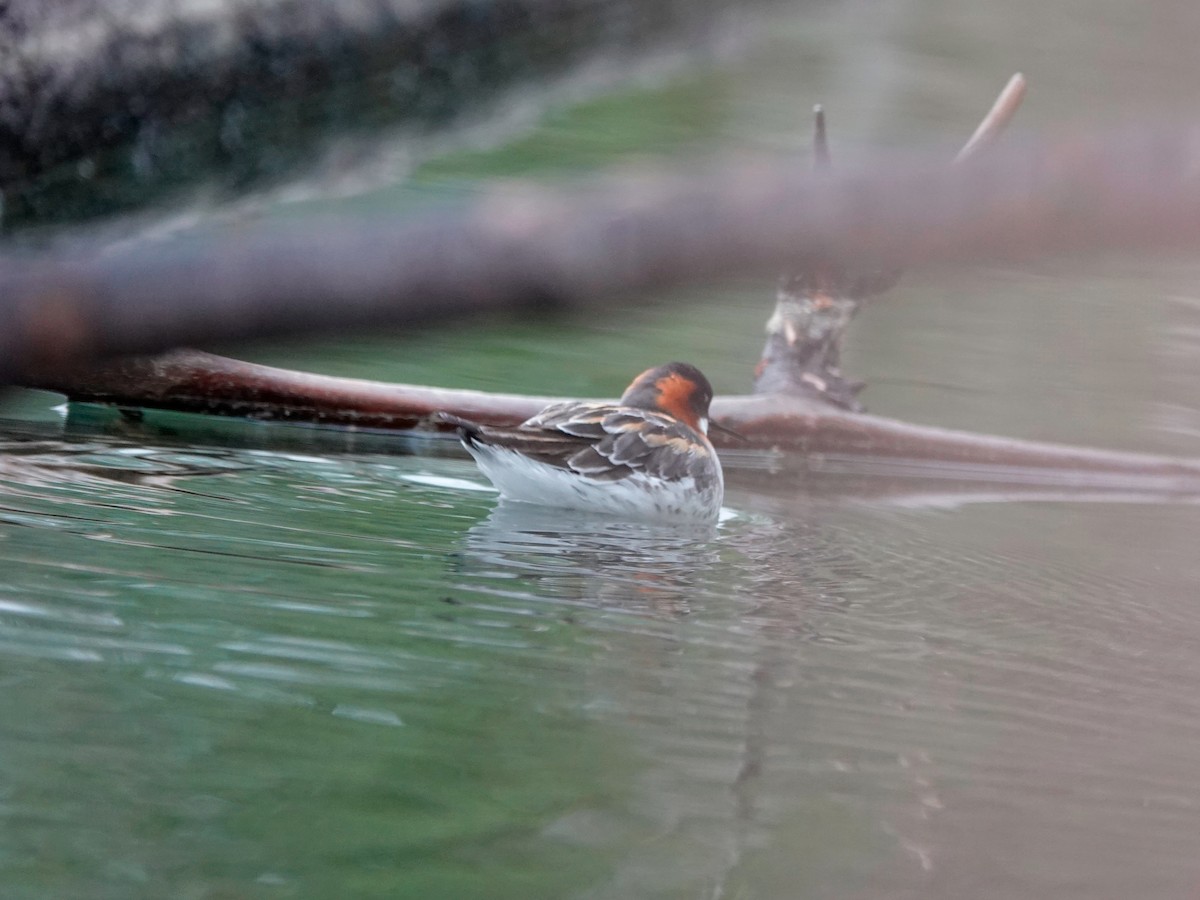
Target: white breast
column 518, row 477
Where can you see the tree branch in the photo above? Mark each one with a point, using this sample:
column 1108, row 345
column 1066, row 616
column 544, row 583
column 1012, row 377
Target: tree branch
column 784, row 436
column 526, row 246
column 996, row 120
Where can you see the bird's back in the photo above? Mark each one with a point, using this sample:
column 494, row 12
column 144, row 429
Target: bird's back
column 611, row 458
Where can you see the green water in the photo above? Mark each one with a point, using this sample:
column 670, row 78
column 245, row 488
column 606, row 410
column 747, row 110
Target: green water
column 259, row 661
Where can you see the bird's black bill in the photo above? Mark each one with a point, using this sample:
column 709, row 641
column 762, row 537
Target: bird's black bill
column 717, row 426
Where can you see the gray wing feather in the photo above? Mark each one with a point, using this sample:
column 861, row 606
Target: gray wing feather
column 608, row 442
column 625, row 447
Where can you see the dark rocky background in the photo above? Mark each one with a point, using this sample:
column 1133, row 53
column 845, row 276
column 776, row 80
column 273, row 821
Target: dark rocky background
column 106, row 105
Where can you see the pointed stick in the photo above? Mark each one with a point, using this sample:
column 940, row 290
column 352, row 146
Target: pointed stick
column 996, row 120
column 821, row 160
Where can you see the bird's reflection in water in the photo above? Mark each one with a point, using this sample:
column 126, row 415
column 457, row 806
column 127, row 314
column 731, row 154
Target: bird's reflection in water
column 708, row 682
column 595, row 560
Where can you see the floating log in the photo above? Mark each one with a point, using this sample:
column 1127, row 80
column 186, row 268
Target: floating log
column 785, row 436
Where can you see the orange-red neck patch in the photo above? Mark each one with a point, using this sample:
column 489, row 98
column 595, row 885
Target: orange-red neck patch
column 676, row 397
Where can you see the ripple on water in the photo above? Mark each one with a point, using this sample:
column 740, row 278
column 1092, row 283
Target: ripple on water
column 845, row 693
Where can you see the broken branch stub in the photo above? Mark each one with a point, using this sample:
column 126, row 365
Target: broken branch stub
column 996, row 120
column 816, row 302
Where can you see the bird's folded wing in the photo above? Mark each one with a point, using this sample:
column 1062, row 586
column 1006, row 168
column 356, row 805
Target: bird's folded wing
column 606, row 442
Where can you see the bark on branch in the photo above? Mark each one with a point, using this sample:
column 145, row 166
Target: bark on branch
column 786, row 437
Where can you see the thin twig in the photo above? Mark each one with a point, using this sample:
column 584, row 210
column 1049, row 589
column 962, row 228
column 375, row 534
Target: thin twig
column 996, row 120
column 821, row 159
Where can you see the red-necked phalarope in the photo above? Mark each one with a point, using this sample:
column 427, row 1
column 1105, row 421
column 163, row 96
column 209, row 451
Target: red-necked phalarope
column 646, row 456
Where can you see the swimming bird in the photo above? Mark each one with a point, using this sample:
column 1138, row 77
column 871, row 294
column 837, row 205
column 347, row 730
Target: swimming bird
column 646, row 456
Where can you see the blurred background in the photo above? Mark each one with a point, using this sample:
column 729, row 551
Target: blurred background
column 234, row 670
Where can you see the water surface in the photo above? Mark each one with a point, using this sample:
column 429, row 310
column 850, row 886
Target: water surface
column 256, row 662
column 255, row 673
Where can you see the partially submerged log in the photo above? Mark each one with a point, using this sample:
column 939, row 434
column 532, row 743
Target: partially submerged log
column 783, row 436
